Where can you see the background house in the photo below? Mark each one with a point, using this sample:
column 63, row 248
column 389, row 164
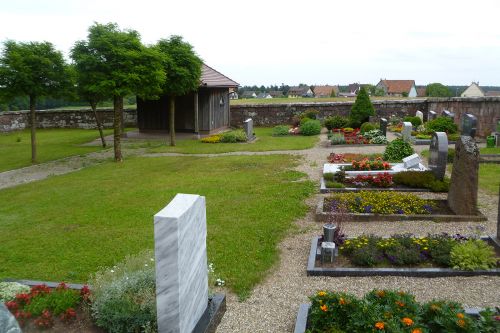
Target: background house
column 249, row 94
column 296, row 92
column 264, row 95
column 276, row 94
column 398, row 88
column 473, row 91
column 325, row 91
column 203, row 111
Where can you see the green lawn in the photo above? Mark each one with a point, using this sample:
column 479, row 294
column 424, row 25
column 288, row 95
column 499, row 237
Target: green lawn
column 495, row 150
column 53, row 144
column 489, row 177
column 265, row 142
column 66, row 227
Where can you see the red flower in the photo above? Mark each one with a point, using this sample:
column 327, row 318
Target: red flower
column 85, row 293
column 68, row 315
column 12, row 306
column 62, row 286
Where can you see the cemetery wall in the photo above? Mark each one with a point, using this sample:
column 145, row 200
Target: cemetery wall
column 11, row 121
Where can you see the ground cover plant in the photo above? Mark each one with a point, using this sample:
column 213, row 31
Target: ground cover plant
column 392, row 311
column 53, row 144
column 441, row 250
column 265, row 142
column 380, row 202
column 226, row 137
column 65, row 227
column 422, row 179
column 397, row 149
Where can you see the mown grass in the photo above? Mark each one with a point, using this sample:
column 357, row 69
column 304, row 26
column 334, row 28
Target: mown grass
column 494, row 150
column 489, row 177
column 52, row 144
column 285, row 100
column 265, row 142
column 66, row 227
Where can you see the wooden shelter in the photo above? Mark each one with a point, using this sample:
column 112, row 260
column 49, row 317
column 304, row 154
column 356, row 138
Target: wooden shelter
column 204, row 111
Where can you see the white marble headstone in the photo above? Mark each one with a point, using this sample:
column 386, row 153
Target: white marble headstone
column 406, row 131
column 412, row 161
column 181, row 263
column 420, row 114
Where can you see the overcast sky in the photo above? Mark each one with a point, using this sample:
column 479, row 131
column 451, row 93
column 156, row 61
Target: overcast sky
column 273, row 42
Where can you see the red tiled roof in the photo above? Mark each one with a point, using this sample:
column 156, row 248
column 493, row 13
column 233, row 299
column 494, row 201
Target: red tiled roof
column 398, row 86
column 325, row 90
column 212, row 78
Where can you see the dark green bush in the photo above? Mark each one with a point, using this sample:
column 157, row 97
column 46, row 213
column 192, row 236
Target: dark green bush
column 339, row 176
column 453, row 137
column 397, row 149
column 439, row 248
column 280, row 130
column 304, row 120
column 329, row 176
column 421, row 179
column 336, row 122
column 366, row 256
column 311, row 127
column 233, row 136
column 366, row 127
column 361, row 110
column 415, row 121
column 442, row 124
column 451, row 155
column 311, row 114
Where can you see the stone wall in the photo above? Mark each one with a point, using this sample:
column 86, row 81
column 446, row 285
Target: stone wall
column 11, row 121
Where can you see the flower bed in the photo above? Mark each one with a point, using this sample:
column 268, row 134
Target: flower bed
column 389, row 311
column 350, row 136
column 366, row 206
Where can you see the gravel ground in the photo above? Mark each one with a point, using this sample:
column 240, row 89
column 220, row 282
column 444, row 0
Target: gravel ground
column 273, row 304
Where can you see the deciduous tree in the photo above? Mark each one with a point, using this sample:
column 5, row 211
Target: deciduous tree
column 32, row 69
column 437, row 90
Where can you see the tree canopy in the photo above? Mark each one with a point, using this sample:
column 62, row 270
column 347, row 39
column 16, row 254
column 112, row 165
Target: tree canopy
column 437, row 90
column 362, row 109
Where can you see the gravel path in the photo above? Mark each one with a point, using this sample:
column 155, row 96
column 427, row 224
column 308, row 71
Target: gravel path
column 273, row 304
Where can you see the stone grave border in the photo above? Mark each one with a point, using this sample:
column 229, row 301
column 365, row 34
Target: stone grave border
column 421, row 142
column 322, row 216
column 324, row 189
column 356, row 144
column 303, row 314
column 207, row 324
column 489, row 158
column 430, row 272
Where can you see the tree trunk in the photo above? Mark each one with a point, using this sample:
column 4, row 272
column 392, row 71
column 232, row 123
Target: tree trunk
column 33, row 128
column 93, row 105
column 118, row 109
column 172, row 120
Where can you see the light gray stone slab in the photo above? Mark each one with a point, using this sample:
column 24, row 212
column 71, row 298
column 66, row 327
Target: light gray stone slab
column 406, row 131
column 181, row 263
column 420, row 114
column 248, row 126
column 438, row 155
column 412, row 161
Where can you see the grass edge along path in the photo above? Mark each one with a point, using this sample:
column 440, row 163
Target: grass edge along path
column 265, row 142
column 66, row 227
column 52, row 144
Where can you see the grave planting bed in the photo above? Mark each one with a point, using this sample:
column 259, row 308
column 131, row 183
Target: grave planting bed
column 441, row 214
column 397, row 188
column 342, row 266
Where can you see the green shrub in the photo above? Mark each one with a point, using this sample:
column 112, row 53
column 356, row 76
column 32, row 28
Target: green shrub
column 451, row 155
column 446, row 316
column 339, row 176
column 124, row 296
column 381, row 139
column 367, row 256
column 336, row 122
column 233, row 136
column 372, row 133
column 362, row 109
column 423, row 136
column 366, row 127
column 57, row 301
column 9, row 290
column 421, row 179
column 280, row 130
column 311, row 127
column 397, row 149
column 472, row 255
column 415, row 121
column 381, row 202
column 453, row 137
column 331, row 184
column 337, row 139
column 442, row 124
column 310, row 113
column 304, row 120
column 439, row 248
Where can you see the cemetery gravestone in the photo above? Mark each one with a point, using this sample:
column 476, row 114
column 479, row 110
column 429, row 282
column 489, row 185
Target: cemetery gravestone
column 462, row 196
column 420, row 114
column 406, row 132
column 412, row 161
column 438, row 154
column 469, row 123
column 497, row 134
column 383, row 126
column 431, row 115
column 180, row 231
column 248, row 126
column 448, row 114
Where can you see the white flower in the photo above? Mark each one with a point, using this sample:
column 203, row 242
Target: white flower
column 146, row 265
column 152, row 259
column 112, row 271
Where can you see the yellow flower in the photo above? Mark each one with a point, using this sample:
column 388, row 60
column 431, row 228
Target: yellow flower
column 321, row 293
column 461, row 323
column 324, row 308
column 342, row 301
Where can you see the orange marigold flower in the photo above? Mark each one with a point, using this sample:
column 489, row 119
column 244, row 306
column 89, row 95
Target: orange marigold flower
column 461, row 323
column 324, row 308
column 460, row 315
column 401, row 304
column 379, row 325
column 342, row 301
column 321, row 293
column 407, row 321
column 416, row 330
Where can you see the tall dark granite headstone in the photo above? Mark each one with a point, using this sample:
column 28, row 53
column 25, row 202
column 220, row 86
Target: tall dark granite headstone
column 438, row 154
column 448, row 114
column 462, row 196
column 431, row 115
column 383, row 126
column 469, row 124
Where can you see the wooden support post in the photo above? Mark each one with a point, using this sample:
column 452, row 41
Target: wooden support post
column 196, row 116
